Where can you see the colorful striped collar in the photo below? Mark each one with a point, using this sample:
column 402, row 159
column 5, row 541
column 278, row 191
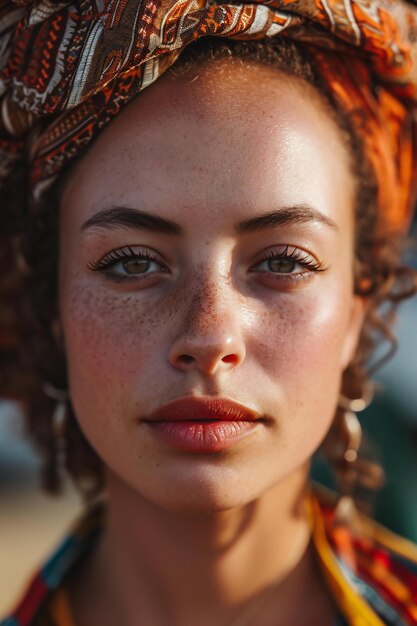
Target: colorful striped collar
column 372, row 576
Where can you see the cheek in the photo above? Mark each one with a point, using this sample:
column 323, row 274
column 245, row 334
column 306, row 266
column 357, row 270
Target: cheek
column 303, row 335
column 112, row 348
column 300, row 345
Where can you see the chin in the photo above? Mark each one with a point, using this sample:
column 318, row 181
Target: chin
column 215, row 499
column 201, row 491
column 201, row 503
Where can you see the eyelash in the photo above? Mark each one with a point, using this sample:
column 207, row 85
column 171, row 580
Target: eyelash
column 119, row 255
column 296, row 255
column 105, row 264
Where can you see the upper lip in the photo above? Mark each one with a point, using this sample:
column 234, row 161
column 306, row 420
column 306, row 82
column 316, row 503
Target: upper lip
column 201, row 409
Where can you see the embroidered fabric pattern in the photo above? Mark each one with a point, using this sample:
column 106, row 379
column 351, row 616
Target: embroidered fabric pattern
column 67, row 68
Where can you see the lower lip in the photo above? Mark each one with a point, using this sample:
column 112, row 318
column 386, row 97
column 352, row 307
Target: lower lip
column 204, row 436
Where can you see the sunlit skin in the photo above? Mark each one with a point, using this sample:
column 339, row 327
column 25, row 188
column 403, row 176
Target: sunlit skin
column 193, row 537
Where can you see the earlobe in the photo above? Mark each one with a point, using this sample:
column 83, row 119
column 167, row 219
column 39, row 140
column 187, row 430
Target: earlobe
column 58, row 333
column 353, row 332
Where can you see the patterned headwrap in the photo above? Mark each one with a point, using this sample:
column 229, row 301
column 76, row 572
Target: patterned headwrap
column 68, row 68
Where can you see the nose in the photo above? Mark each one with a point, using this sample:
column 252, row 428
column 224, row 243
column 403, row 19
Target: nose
column 210, row 339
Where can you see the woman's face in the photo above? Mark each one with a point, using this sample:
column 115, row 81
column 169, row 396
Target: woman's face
column 260, row 312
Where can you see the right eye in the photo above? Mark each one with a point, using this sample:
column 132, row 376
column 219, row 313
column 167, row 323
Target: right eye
column 127, row 263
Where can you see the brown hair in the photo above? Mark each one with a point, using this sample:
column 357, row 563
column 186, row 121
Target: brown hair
column 378, row 273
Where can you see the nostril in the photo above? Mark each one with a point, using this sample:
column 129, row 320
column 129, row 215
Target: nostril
column 229, row 358
column 186, row 358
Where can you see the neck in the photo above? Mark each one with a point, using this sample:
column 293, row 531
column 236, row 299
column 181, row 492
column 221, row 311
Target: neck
column 179, row 567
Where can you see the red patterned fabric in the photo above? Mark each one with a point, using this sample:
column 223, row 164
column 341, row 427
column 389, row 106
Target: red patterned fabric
column 67, row 68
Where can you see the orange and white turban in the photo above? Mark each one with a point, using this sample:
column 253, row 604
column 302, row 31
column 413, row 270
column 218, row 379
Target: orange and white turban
column 68, row 68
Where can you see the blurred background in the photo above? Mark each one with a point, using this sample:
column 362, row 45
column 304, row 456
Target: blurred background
column 31, row 523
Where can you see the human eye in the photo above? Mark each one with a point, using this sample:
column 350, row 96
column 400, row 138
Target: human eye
column 127, row 264
column 289, row 263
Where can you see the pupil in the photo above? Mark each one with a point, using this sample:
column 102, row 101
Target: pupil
column 136, row 266
column 281, row 265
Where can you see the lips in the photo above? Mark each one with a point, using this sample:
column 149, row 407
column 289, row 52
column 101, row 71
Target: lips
column 203, row 409
column 202, row 424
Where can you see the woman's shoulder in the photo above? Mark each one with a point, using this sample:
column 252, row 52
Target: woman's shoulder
column 370, row 570
column 33, row 609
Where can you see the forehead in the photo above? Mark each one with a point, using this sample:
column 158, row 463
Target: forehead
column 223, row 138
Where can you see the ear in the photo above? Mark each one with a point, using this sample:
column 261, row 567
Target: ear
column 359, row 306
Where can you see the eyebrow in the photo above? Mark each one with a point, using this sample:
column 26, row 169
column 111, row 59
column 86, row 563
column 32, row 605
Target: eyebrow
column 298, row 214
column 126, row 217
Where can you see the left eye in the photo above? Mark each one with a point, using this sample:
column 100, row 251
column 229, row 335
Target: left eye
column 290, row 262
column 282, row 266
column 135, row 265
column 279, row 265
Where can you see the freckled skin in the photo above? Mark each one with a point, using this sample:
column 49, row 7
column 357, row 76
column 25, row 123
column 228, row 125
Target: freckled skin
column 206, row 155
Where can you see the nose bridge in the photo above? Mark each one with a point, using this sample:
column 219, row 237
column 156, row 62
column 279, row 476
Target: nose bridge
column 209, row 307
column 210, row 336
